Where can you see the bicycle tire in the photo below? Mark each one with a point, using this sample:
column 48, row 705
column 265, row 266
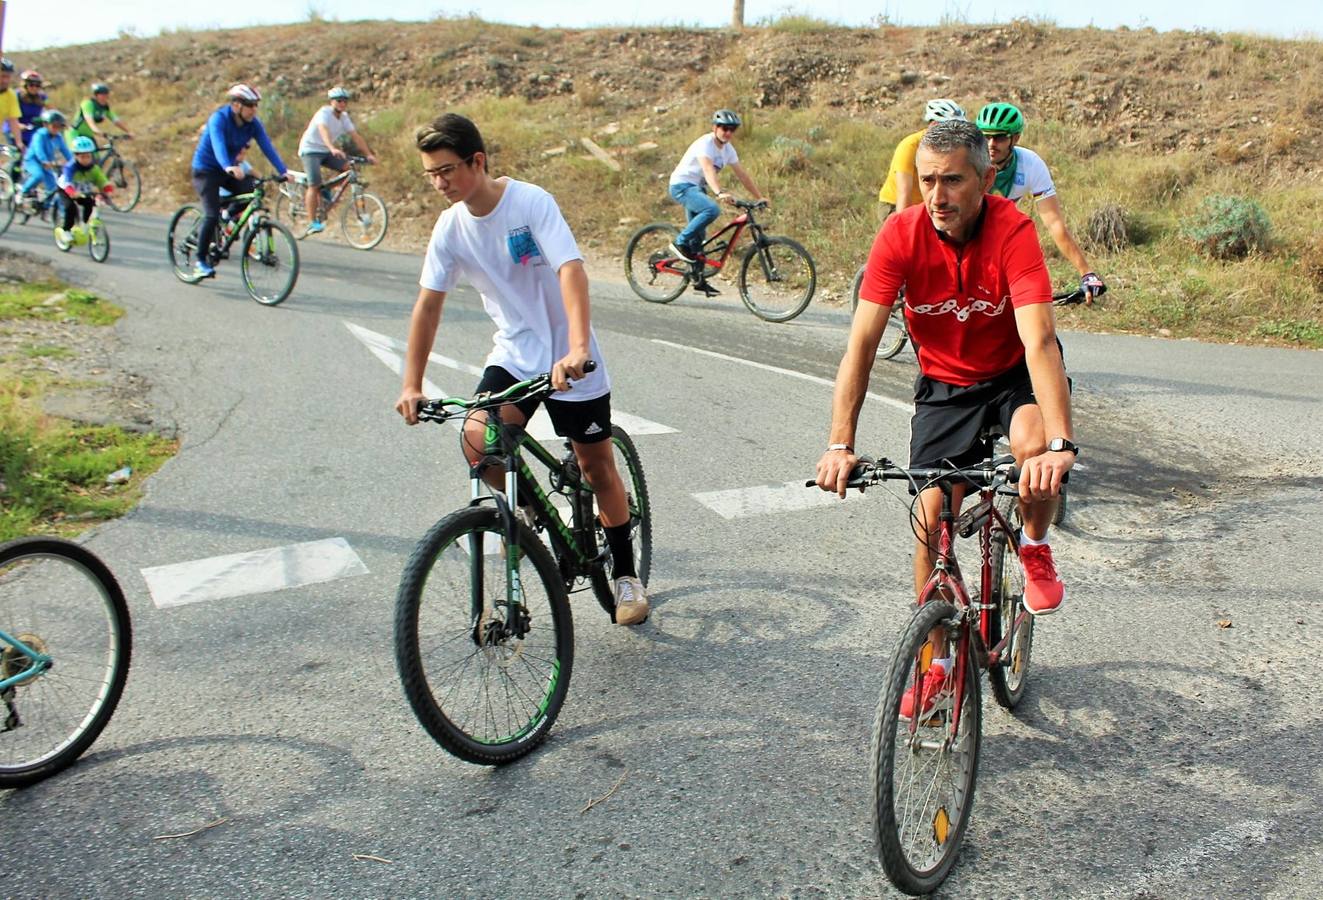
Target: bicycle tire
column 359, row 220
column 892, row 748
column 896, row 334
column 64, row 245
column 269, row 262
column 289, row 210
column 62, row 571
column 128, row 185
column 442, row 570
column 1059, row 514
column 640, row 520
column 783, row 281
column 7, row 199
column 1008, row 677
column 181, row 242
column 98, row 242
column 646, row 248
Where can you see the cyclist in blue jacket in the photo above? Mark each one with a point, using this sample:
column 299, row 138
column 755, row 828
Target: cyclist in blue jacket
column 47, row 153
column 228, row 130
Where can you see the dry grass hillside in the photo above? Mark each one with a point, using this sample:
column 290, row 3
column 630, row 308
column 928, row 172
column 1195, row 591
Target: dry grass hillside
column 1147, row 123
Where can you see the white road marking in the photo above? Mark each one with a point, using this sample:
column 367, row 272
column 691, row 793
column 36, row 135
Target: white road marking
column 1223, row 844
column 803, row 376
column 255, row 572
column 390, row 352
column 765, row 499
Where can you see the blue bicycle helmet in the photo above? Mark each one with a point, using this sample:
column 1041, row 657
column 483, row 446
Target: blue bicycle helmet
column 84, row 144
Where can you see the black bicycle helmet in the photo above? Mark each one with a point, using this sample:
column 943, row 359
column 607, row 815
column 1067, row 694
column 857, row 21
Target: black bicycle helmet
column 6, row 65
column 100, row 87
column 726, row 117
column 54, row 117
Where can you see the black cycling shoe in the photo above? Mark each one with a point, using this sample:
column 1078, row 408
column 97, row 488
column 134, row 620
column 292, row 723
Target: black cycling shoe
column 706, row 289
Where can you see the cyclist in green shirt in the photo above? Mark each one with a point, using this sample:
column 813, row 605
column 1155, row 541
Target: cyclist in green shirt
column 95, row 110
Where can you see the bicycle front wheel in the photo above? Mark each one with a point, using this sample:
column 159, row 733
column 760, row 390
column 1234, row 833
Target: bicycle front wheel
column 640, row 519
column 181, row 242
column 653, row 271
column 59, row 602
column 270, row 262
column 895, row 335
column 7, row 200
column 363, row 220
column 98, row 241
column 1008, row 676
column 922, row 778
column 777, row 279
column 128, row 185
column 485, row 677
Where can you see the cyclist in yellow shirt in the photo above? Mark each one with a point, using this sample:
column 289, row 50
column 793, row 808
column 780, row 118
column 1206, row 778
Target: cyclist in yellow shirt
column 902, row 185
column 9, row 108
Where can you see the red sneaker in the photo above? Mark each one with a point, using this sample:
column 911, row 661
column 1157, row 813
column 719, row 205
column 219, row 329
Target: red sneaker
column 1043, row 590
column 937, row 688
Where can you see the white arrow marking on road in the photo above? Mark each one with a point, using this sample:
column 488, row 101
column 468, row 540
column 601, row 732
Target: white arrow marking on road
column 255, row 572
column 390, row 351
column 898, row 404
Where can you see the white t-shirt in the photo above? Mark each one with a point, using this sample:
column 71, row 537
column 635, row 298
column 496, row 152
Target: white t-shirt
column 690, row 170
column 1031, row 176
column 338, row 126
column 511, row 256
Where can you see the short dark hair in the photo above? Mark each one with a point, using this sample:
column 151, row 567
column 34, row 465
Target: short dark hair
column 451, row 132
column 949, row 136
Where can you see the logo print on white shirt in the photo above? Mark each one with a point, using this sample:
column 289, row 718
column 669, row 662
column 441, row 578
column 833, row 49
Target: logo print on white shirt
column 962, row 313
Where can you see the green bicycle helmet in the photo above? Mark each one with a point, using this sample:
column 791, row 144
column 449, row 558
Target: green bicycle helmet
column 100, row 87
column 1000, row 118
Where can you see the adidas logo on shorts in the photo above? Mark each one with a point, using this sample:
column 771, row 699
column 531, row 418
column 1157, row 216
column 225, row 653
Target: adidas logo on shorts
column 593, row 428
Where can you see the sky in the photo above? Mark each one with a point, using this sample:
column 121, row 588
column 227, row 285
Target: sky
column 32, row 24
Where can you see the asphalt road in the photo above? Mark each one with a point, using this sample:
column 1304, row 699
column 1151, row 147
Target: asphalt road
column 1155, row 755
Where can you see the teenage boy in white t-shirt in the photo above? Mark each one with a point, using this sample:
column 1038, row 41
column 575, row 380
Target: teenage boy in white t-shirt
column 509, row 240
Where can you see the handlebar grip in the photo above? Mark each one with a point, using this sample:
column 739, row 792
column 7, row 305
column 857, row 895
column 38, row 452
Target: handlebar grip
column 1013, row 476
column 590, row 366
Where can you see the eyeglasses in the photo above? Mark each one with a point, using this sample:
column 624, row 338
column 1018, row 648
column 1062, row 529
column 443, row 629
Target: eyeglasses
column 1002, row 136
column 446, row 172
column 248, row 104
column 731, row 128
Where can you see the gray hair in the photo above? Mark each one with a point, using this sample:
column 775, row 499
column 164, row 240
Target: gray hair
column 951, row 135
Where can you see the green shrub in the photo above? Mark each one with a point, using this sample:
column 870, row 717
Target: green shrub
column 1228, row 227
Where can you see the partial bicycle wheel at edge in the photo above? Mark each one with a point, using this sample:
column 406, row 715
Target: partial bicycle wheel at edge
column 895, row 335
column 269, row 262
column 487, row 684
column 58, row 598
column 777, row 279
column 6, row 200
column 648, row 248
column 922, row 785
column 1008, row 677
column 640, row 519
column 181, row 242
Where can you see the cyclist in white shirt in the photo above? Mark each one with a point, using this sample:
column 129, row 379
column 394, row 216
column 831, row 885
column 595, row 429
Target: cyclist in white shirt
column 695, row 176
column 1022, row 173
column 320, row 146
column 509, row 240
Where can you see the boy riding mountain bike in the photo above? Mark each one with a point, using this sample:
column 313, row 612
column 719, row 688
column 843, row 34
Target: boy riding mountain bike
column 509, row 239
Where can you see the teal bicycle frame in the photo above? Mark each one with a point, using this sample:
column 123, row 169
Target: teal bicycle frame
column 40, row 662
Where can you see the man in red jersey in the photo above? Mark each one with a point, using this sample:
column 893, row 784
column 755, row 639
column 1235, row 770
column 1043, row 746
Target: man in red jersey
column 978, row 306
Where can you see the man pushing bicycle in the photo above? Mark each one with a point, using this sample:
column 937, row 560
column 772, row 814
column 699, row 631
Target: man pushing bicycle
column 978, row 303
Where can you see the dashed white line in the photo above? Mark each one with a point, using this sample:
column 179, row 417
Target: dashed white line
column 255, row 572
column 766, row 499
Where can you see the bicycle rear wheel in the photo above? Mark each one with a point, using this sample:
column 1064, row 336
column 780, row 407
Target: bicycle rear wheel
column 653, row 271
column 777, row 279
column 922, row 779
column 128, row 185
column 270, row 262
column 363, row 220
column 6, row 199
column 485, row 680
column 640, row 520
column 181, row 243
column 98, row 241
column 290, row 210
column 896, row 334
column 1007, row 678
column 59, row 600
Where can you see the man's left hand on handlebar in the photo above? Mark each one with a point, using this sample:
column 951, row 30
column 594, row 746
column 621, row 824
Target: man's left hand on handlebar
column 571, row 366
column 834, row 469
column 1041, row 476
column 1092, row 286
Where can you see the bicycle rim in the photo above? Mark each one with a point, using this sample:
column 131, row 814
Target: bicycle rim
column 630, row 467
column 485, row 695
column 98, row 242
column 777, row 279
column 56, row 598
column 648, row 249
column 270, row 263
column 922, row 779
column 363, row 221
column 181, row 242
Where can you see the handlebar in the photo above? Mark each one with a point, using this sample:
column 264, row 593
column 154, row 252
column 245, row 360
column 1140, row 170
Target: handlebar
column 991, row 473
column 750, row 204
column 445, row 408
column 1078, row 295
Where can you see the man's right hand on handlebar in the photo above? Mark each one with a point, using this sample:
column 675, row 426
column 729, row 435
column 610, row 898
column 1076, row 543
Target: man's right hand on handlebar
column 834, row 468
column 407, row 405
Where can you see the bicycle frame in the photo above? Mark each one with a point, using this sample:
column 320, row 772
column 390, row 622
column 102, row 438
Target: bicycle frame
column 678, row 266
column 253, row 199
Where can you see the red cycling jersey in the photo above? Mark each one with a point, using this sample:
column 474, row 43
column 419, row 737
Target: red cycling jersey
column 960, row 300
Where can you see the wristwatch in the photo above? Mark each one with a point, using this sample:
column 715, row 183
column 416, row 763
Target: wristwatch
column 1056, row 445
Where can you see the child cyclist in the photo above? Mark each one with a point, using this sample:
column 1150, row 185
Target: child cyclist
column 81, row 180
column 509, row 240
column 46, row 153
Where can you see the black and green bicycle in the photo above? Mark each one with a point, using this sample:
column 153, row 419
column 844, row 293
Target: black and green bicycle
column 484, row 639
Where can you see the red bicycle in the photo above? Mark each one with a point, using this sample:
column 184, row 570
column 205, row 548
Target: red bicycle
column 776, row 278
column 923, row 767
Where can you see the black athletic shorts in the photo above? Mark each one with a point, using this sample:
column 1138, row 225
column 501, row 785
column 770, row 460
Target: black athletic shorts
column 582, row 421
column 948, row 417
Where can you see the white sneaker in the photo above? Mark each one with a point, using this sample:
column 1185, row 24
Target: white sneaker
column 631, row 601
column 680, row 252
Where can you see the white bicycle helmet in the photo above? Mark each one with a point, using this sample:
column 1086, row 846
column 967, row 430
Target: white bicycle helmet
column 943, row 111
column 337, row 93
column 244, row 93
